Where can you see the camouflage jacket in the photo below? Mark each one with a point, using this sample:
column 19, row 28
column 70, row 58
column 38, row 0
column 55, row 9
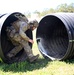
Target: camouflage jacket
column 21, row 27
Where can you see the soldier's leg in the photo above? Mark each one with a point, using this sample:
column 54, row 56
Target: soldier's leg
column 14, row 51
column 18, row 47
column 28, row 51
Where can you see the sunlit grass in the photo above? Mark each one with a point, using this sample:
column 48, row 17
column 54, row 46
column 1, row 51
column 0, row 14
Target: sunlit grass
column 41, row 67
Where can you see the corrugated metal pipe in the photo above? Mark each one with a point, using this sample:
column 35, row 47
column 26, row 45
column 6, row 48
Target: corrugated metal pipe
column 55, row 36
column 5, row 44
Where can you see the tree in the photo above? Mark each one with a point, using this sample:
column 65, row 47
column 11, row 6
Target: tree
column 65, row 8
column 71, row 7
column 62, row 8
column 51, row 10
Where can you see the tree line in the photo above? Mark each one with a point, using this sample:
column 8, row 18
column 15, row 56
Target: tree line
column 60, row 8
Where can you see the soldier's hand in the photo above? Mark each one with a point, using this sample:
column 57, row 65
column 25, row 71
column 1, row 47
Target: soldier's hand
column 31, row 41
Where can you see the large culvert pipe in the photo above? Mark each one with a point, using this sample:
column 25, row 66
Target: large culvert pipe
column 5, row 44
column 55, row 36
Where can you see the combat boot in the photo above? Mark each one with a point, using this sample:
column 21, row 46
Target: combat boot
column 34, row 58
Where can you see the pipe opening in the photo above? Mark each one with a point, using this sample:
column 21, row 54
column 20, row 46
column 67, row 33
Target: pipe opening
column 7, row 45
column 52, row 37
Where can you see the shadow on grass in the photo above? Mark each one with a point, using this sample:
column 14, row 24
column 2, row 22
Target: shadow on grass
column 69, row 61
column 24, row 66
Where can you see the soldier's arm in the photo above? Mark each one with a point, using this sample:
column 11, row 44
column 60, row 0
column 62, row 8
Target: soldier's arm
column 23, row 35
column 22, row 30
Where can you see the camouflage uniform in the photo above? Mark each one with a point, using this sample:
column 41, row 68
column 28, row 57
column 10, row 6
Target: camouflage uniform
column 16, row 34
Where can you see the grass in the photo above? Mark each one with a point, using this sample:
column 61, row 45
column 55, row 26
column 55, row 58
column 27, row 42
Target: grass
column 41, row 67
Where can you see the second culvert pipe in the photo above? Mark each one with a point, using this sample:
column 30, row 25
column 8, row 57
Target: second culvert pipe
column 55, row 36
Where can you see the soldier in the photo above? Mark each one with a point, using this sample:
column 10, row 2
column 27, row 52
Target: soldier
column 16, row 33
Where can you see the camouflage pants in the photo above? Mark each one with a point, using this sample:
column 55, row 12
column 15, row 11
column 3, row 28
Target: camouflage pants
column 21, row 44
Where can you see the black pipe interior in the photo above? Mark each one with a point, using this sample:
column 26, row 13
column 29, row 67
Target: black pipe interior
column 53, row 37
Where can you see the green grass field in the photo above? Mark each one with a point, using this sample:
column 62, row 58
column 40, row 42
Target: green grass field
column 41, row 67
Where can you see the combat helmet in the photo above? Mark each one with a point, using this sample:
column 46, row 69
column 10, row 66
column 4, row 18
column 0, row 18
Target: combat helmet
column 34, row 23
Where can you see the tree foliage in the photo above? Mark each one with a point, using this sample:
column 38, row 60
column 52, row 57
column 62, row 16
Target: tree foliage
column 65, row 8
column 60, row 8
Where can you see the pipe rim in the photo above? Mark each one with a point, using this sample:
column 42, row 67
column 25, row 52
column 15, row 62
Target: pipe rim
column 68, row 32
